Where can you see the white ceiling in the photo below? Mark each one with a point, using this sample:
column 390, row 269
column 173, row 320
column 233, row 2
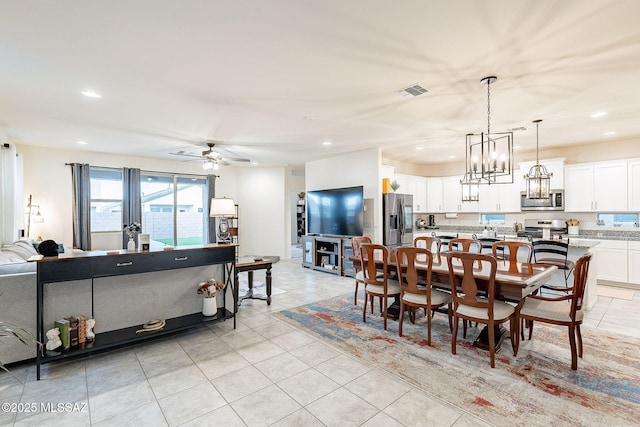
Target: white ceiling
column 277, row 78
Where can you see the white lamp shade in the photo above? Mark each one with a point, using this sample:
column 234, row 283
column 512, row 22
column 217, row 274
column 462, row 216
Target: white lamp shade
column 222, row 207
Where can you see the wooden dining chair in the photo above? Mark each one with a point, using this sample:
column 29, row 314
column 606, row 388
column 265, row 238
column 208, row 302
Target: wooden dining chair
column 513, row 251
column 415, row 286
column 465, row 245
column 433, row 244
column 355, row 245
column 375, row 260
column 557, row 311
column 469, row 305
column 554, row 252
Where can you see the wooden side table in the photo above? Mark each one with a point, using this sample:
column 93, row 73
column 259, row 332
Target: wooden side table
column 250, row 265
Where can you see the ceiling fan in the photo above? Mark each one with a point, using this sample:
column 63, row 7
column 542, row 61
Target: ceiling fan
column 212, row 159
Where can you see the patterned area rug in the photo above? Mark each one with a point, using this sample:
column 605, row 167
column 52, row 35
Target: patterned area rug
column 537, row 387
column 259, row 286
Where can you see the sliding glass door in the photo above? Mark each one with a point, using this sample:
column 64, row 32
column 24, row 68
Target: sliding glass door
column 173, row 208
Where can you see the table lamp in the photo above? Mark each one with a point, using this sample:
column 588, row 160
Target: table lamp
column 223, row 208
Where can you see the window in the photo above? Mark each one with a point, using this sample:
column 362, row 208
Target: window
column 492, row 218
column 623, row 219
column 173, row 208
column 106, row 199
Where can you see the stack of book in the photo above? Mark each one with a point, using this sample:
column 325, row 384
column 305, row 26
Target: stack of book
column 73, row 332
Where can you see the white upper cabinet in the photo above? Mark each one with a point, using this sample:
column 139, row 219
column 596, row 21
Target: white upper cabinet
column 452, row 196
column 434, row 195
column 610, row 186
column 634, row 185
column 501, row 197
column 403, row 183
column 420, row 195
column 417, row 187
column 578, row 188
column 596, row 187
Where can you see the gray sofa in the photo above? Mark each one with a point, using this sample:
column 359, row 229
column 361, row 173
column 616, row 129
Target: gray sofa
column 17, row 298
column 164, row 294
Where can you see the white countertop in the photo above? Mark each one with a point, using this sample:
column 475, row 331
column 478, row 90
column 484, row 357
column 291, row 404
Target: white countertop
column 577, row 242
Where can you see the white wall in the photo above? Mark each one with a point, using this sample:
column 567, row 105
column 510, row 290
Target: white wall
column 348, row 170
column 48, row 179
column 263, row 193
column 262, row 212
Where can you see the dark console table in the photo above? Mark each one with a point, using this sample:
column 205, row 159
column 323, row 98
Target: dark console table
column 92, row 265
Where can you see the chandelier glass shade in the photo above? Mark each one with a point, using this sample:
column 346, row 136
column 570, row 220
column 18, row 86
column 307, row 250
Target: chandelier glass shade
column 538, row 180
column 210, row 164
column 470, row 189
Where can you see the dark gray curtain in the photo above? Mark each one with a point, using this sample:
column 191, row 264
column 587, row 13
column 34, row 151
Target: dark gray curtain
column 131, row 200
column 81, row 180
column 211, row 223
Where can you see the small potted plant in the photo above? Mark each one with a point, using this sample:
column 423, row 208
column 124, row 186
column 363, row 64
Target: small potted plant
column 395, row 185
column 208, row 290
column 131, row 230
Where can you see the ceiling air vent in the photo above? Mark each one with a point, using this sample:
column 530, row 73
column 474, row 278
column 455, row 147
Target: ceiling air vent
column 297, row 172
column 412, row 91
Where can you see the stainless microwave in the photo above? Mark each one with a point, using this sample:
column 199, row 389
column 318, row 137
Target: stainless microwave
column 555, row 202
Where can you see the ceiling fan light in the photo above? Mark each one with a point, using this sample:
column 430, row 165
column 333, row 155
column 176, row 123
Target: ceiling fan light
column 209, row 164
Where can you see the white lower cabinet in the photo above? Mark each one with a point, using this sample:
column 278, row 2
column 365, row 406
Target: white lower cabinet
column 633, row 256
column 612, row 260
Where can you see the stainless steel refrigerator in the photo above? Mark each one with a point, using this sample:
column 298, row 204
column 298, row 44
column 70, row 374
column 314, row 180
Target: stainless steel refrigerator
column 397, row 220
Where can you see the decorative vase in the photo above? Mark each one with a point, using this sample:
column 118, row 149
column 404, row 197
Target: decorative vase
column 131, row 245
column 209, row 306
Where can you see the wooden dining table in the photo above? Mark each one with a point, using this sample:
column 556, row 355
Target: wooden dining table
column 513, row 281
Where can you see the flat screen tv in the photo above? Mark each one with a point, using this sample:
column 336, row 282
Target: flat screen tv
column 338, row 211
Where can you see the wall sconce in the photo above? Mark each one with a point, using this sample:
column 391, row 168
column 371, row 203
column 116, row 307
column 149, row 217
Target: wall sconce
column 223, row 208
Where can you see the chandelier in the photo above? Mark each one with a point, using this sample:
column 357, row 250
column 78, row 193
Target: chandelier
column 489, row 156
column 538, row 180
column 470, row 188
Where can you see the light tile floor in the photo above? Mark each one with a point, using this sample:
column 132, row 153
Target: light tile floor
column 264, row 372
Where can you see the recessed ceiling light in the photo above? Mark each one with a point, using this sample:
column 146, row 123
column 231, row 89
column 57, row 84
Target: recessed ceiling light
column 83, row 142
column 598, row 114
column 517, row 147
column 419, row 148
column 326, row 143
column 309, row 117
column 452, row 156
column 91, row 93
column 255, row 163
column 609, row 133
